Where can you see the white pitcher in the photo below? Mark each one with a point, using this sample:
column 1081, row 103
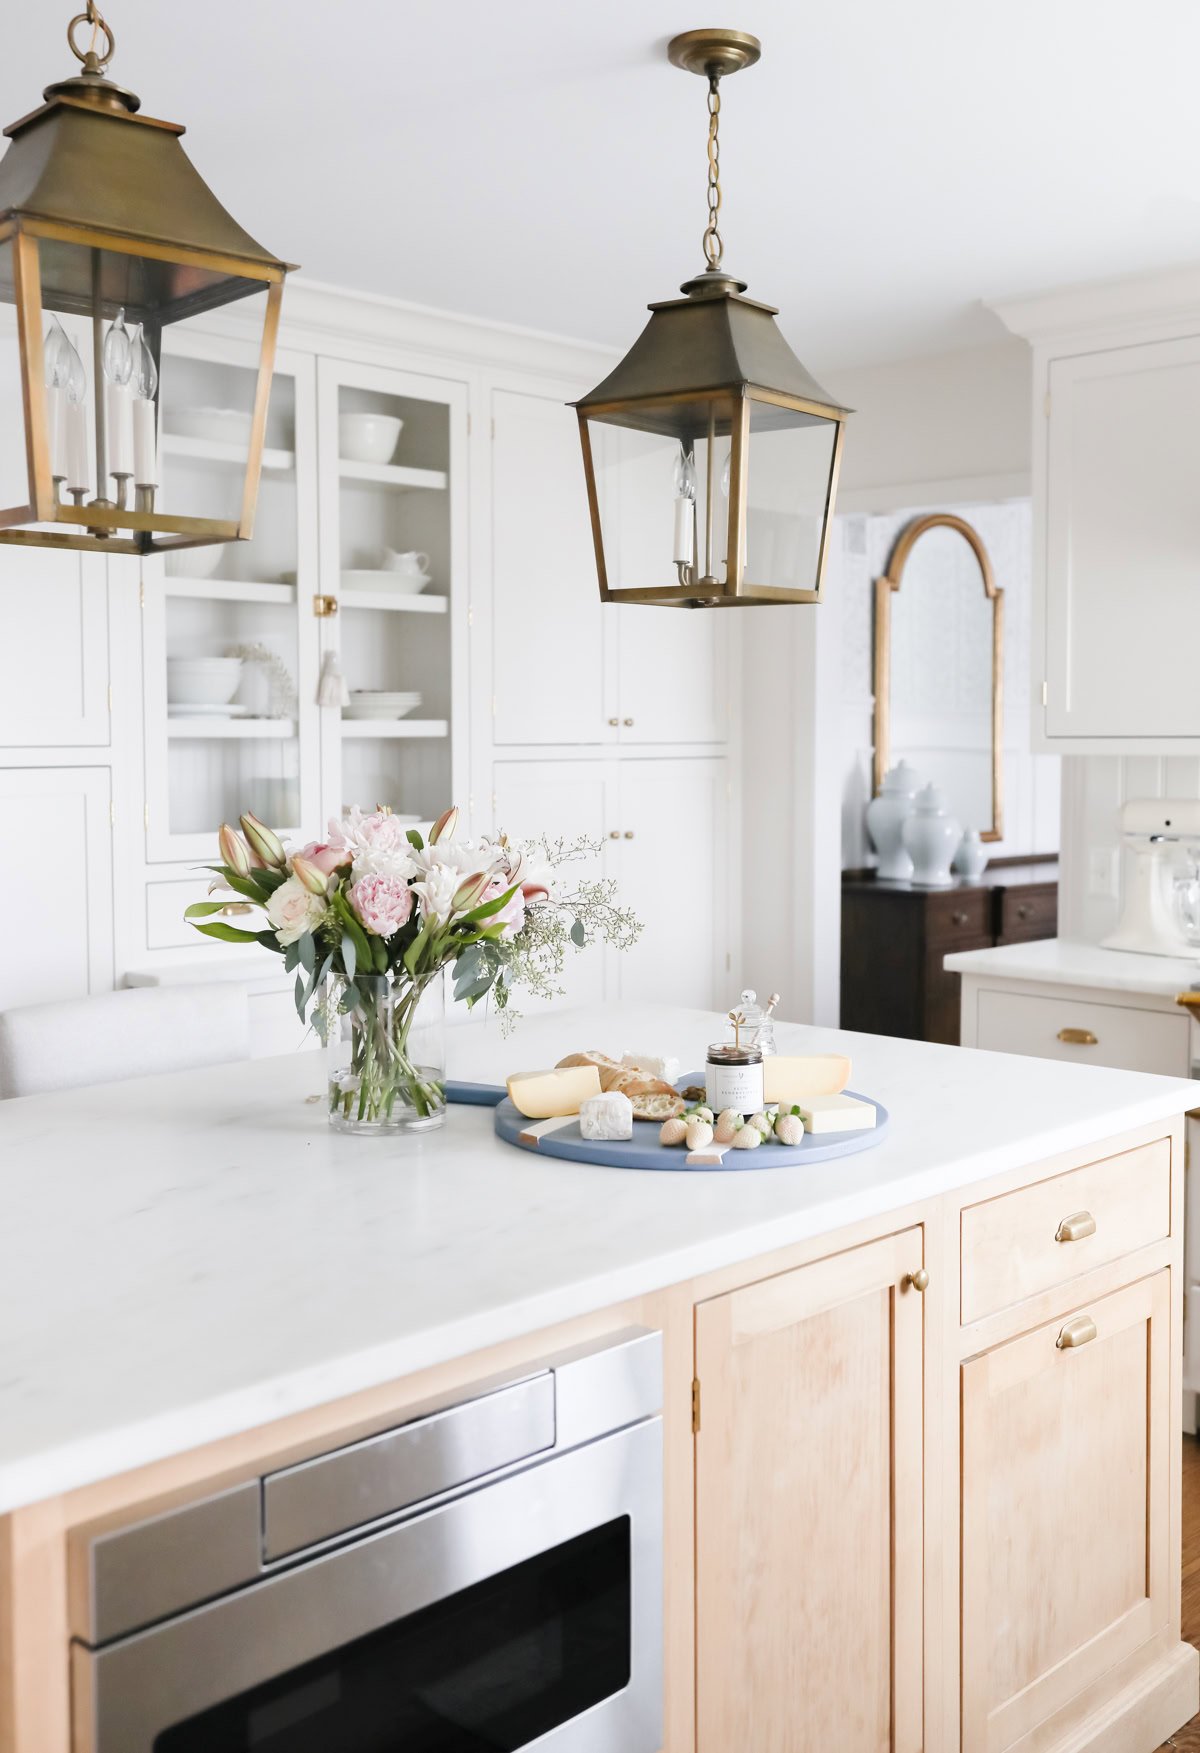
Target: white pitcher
column 409, row 565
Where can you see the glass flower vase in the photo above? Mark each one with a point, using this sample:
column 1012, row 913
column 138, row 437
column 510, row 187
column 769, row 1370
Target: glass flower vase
column 387, row 1055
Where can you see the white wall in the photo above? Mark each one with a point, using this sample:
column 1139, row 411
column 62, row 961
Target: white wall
column 939, row 431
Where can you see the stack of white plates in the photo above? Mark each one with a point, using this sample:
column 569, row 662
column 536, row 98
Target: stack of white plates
column 368, row 703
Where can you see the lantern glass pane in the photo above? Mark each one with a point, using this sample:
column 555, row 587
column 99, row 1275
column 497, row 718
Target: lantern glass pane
column 163, row 426
column 653, row 486
column 14, row 472
column 787, row 492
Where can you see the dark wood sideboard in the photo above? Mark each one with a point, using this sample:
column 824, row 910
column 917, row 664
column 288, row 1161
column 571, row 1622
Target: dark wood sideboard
column 894, row 937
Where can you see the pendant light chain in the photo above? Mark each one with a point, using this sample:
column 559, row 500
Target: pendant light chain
column 714, row 248
column 90, row 56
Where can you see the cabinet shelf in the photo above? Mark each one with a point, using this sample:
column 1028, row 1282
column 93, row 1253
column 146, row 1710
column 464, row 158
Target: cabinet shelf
column 260, row 729
column 380, row 729
column 386, row 599
column 393, row 475
column 214, row 451
column 230, row 590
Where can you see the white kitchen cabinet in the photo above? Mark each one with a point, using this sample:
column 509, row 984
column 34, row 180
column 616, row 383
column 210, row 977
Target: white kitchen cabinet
column 56, row 845
column 567, row 669
column 1116, row 405
column 674, row 876
column 53, row 649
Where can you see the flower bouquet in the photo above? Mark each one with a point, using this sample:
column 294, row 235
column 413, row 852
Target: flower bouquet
column 369, row 919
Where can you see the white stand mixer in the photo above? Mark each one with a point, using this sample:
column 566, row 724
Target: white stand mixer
column 1155, row 829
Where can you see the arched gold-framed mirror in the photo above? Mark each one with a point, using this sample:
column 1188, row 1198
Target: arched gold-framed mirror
column 964, row 680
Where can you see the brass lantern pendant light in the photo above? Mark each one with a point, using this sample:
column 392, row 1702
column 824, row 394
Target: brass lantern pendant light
column 108, row 236
column 711, row 454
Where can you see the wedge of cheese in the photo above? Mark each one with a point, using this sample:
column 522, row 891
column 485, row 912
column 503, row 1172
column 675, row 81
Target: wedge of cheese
column 545, row 1095
column 836, row 1113
column 787, row 1080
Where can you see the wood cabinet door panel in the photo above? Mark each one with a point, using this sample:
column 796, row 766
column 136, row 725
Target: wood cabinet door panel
column 809, row 1508
column 1065, row 1529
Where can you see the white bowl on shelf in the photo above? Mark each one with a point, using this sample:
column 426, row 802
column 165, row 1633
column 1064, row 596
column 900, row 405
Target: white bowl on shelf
column 368, row 438
column 222, row 425
column 202, row 681
column 398, row 584
column 372, row 705
column 195, row 562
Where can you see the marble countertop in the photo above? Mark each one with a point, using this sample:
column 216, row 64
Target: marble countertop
column 1057, row 961
column 186, row 1256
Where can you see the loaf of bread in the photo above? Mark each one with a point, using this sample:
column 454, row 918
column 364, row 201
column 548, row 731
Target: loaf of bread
column 651, row 1097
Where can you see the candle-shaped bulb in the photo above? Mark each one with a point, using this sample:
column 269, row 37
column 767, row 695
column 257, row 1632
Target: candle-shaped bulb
column 145, row 381
column 56, row 355
column 725, row 476
column 685, row 507
column 117, row 356
column 76, row 459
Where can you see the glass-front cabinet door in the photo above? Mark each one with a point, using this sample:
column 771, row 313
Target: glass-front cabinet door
column 230, row 649
column 393, row 451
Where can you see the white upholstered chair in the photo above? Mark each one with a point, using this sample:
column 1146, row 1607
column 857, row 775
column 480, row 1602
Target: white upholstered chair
column 121, row 1034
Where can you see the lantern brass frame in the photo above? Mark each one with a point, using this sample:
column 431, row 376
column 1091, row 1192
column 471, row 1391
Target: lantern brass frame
column 885, row 587
column 736, row 589
column 43, row 505
column 86, row 170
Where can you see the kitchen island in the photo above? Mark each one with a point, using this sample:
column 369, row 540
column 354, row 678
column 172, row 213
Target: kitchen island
column 920, row 1405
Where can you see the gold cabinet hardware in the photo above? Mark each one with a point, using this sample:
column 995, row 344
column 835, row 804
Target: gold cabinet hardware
column 233, row 909
column 614, row 722
column 323, row 607
column 958, row 919
column 1189, row 1000
column 695, row 1404
column 628, row 723
column 1023, row 910
column 918, row 1280
column 614, row 833
column 629, row 833
column 1079, row 1330
column 1078, row 1038
column 1075, row 1227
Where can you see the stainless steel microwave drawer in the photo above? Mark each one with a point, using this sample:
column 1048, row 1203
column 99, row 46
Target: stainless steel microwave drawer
column 315, row 1500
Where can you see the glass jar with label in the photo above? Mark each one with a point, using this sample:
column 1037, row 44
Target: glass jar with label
column 733, row 1077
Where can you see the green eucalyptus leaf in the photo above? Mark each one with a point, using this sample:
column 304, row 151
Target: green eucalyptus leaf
column 291, row 958
column 415, row 840
column 578, row 934
column 308, row 952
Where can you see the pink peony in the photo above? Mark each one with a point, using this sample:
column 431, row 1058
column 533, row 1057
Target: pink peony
column 383, row 903
column 326, row 858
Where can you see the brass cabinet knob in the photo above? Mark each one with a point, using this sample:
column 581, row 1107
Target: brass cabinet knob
column 614, row 833
column 614, row 722
column 629, row 833
column 235, row 909
column 918, row 1280
column 628, row 723
column 1078, row 1038
column 1023, row 910
column 1079, row 1330
column 1189, row 1000
column 1075, row 1227
column 958, row 919
column 324, row 607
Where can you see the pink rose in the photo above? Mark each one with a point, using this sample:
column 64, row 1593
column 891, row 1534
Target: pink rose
column 294, row 910
column 511, row 916
column 383, row 903
column 326, row 858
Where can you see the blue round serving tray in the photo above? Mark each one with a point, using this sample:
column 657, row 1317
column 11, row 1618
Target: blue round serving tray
column 643, row 1151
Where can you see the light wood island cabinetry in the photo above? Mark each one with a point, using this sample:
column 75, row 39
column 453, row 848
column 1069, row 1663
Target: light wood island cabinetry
column 922, row 1479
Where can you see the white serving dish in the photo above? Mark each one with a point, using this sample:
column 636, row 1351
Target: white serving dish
column 208, row 681
column 371, row 710
column 223, row 425
column 401, row 584
column 368, row 438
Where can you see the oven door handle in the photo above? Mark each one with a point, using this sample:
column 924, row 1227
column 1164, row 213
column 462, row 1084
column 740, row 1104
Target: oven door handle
column 125, row 1695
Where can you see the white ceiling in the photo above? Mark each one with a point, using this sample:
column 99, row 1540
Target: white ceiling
column 886, row 165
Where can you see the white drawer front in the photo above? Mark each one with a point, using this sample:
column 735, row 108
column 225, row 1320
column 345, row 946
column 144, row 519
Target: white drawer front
column 1096, row 1034
column 167, row 929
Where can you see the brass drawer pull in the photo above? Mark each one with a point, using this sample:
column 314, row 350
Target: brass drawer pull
column 1189, row 1000
column 1078, row 1037
column 918, row 1280
column 1075, row 1227
column 1079, row 1330
column 234, row 909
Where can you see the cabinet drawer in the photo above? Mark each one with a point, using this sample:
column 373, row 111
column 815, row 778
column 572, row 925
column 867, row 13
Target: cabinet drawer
column 954, row 915
column 1084, row 1032
column 1024, row 1242
column 1027, row 914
